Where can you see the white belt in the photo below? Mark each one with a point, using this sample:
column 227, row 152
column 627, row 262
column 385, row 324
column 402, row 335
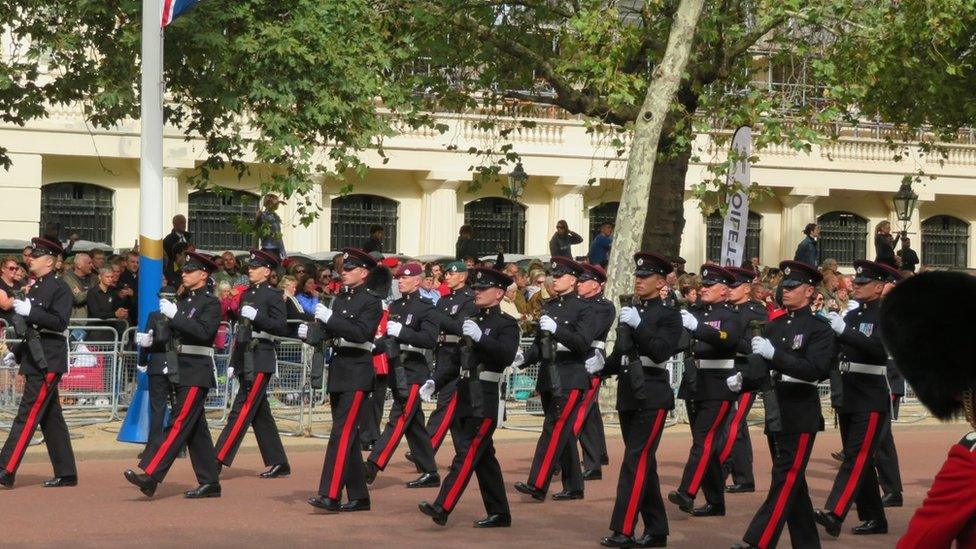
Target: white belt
column 648, row 363
column 493, row 377
column 447, row 338
column 262, row 335
column 859, row 368
column 195, row 350
column 718, row 364
column 368, row 346
column 791, row 379
column 405, row 348
column 598, row 345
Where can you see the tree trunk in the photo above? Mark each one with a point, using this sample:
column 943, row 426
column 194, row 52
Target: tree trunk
column 665, row 205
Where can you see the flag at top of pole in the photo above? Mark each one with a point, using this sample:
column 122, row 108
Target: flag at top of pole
column 175, row 8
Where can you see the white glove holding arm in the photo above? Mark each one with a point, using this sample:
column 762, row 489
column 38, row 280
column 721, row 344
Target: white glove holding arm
column 734, row 382
column 427, row 391
column 323, row 313
column 546, row 323
column 249, row 312
column 595, row 363
column 22, row 306
column 9, row 360
column 167, row 308
column 630, row 317
column 763, row 347
column 230, row 372
column 302, row 331
column 393, row 328
column 519, row 358
column 837, row 323
column 144, row 339
column 471, row 329
column 688, row 320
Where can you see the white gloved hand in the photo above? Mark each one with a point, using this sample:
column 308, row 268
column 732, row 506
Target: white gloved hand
column 22, row 306
column 249, row 312
column 165, row 370
column 837, row 323
column 688, row 320
column 734, row 382
column 167, row 308
column 142, row 369
column 144, row 339
column 547, row 324
column 427, row 391
column 519, row 358
column 230, row 372
column 471, row 329
column 595, row 363
column 763, row 347
column 393, row 328
column 630, row 316
column 9, row 360
column 323, row 313
column 302, row 331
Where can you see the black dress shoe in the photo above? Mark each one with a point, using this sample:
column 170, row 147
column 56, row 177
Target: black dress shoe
column 567, row 494
column 870, row 527
column 211, row 490
column 829, row 521
column 530, row 491
column 708, row 510
column 322, row 502
column 435, row 512
column 279, row 470
column 147, row 484
column 6, row 479
column 410, row 458
column 618, row 540
column 371, row 470
column 59, row 482
column 648, row 540
column 501, row 520
column 604, row 460
column 684, row 502
column 839, row 456
column 426, row 480
column 740, row 488
column 592, row 474
column 355, row 505
column 893, row 499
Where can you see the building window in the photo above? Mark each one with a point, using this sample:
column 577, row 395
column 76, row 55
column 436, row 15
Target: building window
column 79, row 208
column 945, row 242
column 354, row 214
column 494, row 222
column 843, row 236
column 603, row 213
column 220, row 221
column 713, row 237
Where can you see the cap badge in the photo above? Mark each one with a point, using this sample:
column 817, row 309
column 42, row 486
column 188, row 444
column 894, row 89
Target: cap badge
column 860, row 270
column 786, row 271
column 345, row 255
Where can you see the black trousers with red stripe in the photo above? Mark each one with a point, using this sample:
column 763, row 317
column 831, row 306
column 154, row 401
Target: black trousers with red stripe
column 736, row 454
column 406, row 419
column 788, row 501
column 343, row 467
column 251, row 409
column 857, row 480
column 372, row 412
column 886, row 459
column 639, row 488
column 444, row 418
column 475, row 454
column 40, row 405
column 188, row 427
column 703, row 470
column 557, row 436
column 589, row 428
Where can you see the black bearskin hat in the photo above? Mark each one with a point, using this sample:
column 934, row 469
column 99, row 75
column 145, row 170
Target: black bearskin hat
column 379, row 281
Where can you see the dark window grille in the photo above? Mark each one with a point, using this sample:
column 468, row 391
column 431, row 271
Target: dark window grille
column 352, row 215
column 494, row 222
column 216, row 220
column 945, row 242
column 79, row 208
column 843, row 236
column 713, row 236
column 600, row 214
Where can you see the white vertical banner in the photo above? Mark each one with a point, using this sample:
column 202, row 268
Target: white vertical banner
column 737, row 218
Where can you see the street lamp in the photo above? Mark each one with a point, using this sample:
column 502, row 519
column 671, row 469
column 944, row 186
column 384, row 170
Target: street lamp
column 905, row 201
column 516, row 182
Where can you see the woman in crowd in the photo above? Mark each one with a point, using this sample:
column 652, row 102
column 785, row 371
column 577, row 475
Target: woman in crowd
column 308, row 293
column 884, row 244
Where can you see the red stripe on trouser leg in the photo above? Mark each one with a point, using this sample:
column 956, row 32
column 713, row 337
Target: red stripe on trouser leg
column 784, row 494
column 862, row 457
column 740, row 411
column 344, row 445
column 241, row 417
column 464, row 475
column 28, row 429
column 398, row 428
column 174, row 431
column 585, row 407
column 707, row 449
column 640, row 476
column 557, row 430
column 446, row 420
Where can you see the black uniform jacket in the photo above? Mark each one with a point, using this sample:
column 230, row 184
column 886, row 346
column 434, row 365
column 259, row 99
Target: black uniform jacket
column 602, row 316
column 574, row 335
column 355, row 316
column 196, row 322
column 51, row 303
column 861, row 343
column 272, row 319
column 657, row 338
column 717, row 337
column 451, row 311
column 420, row 330
column 494, row 352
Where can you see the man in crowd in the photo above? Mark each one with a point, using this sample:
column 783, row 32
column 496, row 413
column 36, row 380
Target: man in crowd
column 465, row 247
column 908, row 257
column 177, row 235
column 600, row 246
column 229, row 272
column 806, row 250
column 80, row 279
column 98, row 259
column 128, row 286
column 561, row 243
column 375, row 241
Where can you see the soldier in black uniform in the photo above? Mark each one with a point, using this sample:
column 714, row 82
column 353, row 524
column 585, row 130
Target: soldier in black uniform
column 43, row 358
column 736, row 453
column 866, row 406
column 716, row 329
column 193, row 321
column 412, row 325
column 351, row 322
column 263, row 317
column 491, row 340
column 795, row 353
column 568, row 322
column 648, row 336
column 886, row 459
column 152, row 361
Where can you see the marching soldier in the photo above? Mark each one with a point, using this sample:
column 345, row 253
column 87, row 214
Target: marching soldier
column 263, row 317
column 490, row 342
column 412, row 327
column 648, row 336
column 41, row 320
column 152, row 360
column 866, row 406
column 886, row 460
column 193, row 322
column 716, row 330
column 352, row 323
column 588, row 426
column 796, row 353
column 567, row 323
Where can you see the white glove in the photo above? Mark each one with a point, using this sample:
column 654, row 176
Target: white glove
column 546, row 323
column 837, row 323
column 470, row 328
column 167, row 307
column 144, row 339
column 230, row 372
column 165, row 370
column 630, row 316
column 427, row 391
column 734, row 382
column 519, row 358
column 249, row 312
column 303, row 331
column 142, row 369
column 22, row 306
column 9, row 360
column 595, row 363
column 323, row 313
column 393, row 328
column 688, row 320
column 763, row 347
